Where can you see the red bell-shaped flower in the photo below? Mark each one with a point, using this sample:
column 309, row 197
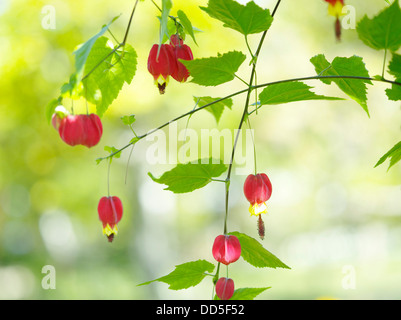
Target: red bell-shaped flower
column 163, row 65
column 257, row 189
column 81, row 129
column 226, row 249
column 224, row 288
column 110, row 210
column 181, row 51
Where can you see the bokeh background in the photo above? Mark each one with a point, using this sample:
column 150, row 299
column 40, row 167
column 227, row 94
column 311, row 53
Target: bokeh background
column 332, row 217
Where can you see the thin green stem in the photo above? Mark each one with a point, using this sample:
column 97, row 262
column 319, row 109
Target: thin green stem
column 122, row 44
column 129, row 24
column 108, row 177
column 249, row 48
column 254, row 146
column 242, row 80
column 244, row 114
column 256, row 90
column 244, row 91
column 384, row 62
column 157, row 6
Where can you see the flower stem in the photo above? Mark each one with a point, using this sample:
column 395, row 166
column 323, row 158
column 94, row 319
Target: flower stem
column 244, row 114
column 263, row 85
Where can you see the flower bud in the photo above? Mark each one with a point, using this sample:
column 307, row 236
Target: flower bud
column 110, row 210
column 224, row 288
column 226, row 249
column 175, row 40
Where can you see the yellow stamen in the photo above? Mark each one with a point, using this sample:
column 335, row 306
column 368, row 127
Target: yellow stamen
column 107, row 230
column 258, row 208
column 336, row 10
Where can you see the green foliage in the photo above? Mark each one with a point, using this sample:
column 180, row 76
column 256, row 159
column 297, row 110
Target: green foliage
column 245, row 19
column 254, row 253
column 108, row 69
column 215, row 70
column 395, row 69
column 247, row 293
column 384, row 30
column 341, row 66
column 186, row 23
column 51, row 106
column 191, row 176
column 128, row 120
column 185, row 275
column 394, row 154
column 217, row 108
column 166, row 8
column 289, row 92
column 395, row 66
column 82, row 53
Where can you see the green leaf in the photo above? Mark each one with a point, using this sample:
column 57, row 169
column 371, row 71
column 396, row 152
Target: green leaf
column 128, row 120
column 185, row 275
column 254, row 253
column 191, row 176
column 186, row 23
column 394, row 67
column 109, row 69
column 247, row 293
column 51, row 107
column 394, row 154
column 384, row 30
column 82, row 53
column 113, row 150
column 214, row 70
column 289, row 92
column 353, row 66
column 245, row 19
column 217, row 108
column 394, row 94
column 166, row 7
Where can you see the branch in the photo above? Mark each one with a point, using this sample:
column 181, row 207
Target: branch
column 122, row 44
column 238, row 93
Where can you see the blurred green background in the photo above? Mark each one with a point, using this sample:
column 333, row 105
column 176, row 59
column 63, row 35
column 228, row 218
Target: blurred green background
column 332, row 215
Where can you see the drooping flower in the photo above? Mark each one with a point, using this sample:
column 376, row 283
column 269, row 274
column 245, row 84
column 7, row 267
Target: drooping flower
column 224, row 288
column 226, row 249
column 110, row 210
column 162, row 63
column 336, row 10
column 257, row 190
column 81, row 129
column 181, row 51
